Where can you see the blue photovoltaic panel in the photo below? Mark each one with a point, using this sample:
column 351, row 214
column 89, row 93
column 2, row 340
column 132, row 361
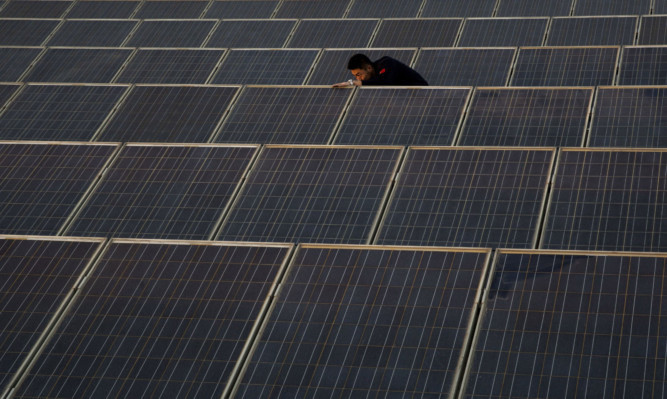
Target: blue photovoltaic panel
column 34, row 9
column 611, row 7
column 653, row 30
column 178, row 66
column 320, row 33
column 643, row 66
column 6, row 91
column 78, row 65
column 563, row 66
column 284, row 115
column 608, row 200
column 417, row 33
column 252, row 33
column 389, row 116
column 275, row 67
column 458, row 9
column 496, row 32
column 384, row 9
column 592, row 31
column 312, row 9
column 465, row 197
column 355, row 321
column 531, row 8
column 154, row 9
column 465, row 67
column 104, row 33
column 35, row 277
column 158, row 320
column 103, row 9
column 527, row 117
column 171, row 33
column 42, row 183
column 173, row 192
column 331, row 67
column 312, row 194
column 55, row 112
column 242, row 9
column 184, row 114
column 630, row 117
column 571, row 325
column 25, row 32
column 14, row 61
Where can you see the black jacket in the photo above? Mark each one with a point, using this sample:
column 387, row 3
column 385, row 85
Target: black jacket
column 391, row 72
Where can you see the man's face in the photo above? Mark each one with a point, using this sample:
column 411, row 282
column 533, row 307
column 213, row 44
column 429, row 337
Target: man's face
column 364, row 73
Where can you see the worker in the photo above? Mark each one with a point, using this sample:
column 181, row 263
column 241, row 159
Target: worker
column 385, row 71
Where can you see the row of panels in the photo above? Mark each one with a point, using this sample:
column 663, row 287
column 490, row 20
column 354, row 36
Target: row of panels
column 175, row 319
column 449, row 196
column 322, row 33
column 492, row 116
column 323, row 8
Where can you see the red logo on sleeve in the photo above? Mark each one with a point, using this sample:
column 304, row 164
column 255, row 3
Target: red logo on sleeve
column 383, row 70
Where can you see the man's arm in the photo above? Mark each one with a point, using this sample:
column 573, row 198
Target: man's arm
column 349, row 83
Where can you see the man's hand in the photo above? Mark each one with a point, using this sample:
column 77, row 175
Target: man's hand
column 349, row 83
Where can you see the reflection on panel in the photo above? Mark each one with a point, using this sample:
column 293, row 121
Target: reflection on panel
column 592, row 31
column 184, row 114
column 367, row 321
column 14, row 61
column 25, row 32
column 275, row 67
column 312, row 9
column 384, row 9
column 103, row 9
column 155, row 9
column 527, row 117
column 417, row 33
column 643, row 66
column 458, row 9
column 35, row 9
column 252, row 33
column 320, row 33
column 571, row 324
column 55, row 112
column 503, row 32
column 158, row 319
column 465, row 67
column 389, row 116
column 104, row 33
column 531, row 8
column 171, row 33
column 78, row 65
column 170, row 66
column 490, row 197
column 331, row 67
column 326, row 194
column 608, row 200
column 284, row 115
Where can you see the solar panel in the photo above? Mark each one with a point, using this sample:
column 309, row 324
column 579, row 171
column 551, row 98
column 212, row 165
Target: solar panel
column 417, row 33
column 611, row 7
column 103, row 9
column 312, row 194
column 552, row 117
column 156, row 191
column 184, row 114
column 384, row 9
column 565, row 66
column 465, row 66
column 191, row 66
column 571, row 324
column 171, row 9
column 55, row 112
column 528, row 8
column 659, row 7
column 643, row 65
column 331, row 67
column 92, row 33
column 35, row 9
column 78, row 65
column 468, row 197
column 480, row 32
column 284, row 115
column 42, row 183
column 320, row 33
column 653, row 28
column 629, row 117
column 37, row 276
column 458, row 9
column 355, row 321
column 592, row 31
column 607, row 200
column 158, row 319
column 171, row 33
column 402, row 116
column 6, row 92
column 252, row 33
column 276, row 67
column 25, row 32
column 241, row 9
column 14, row 61
column 312, row 9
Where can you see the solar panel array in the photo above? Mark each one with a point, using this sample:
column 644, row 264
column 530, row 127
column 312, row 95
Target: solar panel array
column 195, row 212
